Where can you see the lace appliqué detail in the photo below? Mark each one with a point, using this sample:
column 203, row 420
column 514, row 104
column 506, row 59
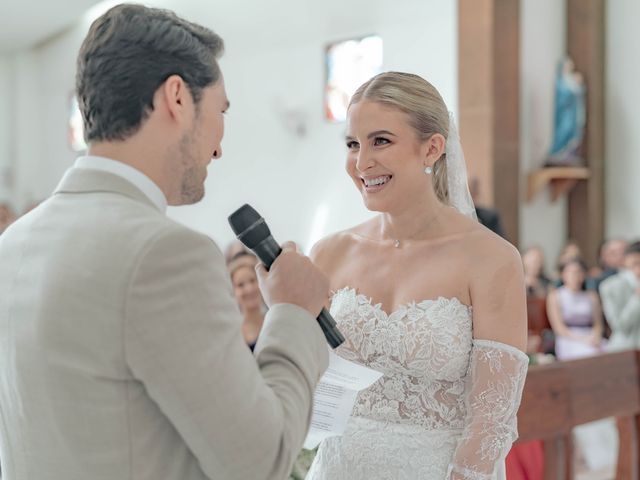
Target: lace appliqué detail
column 445, row 407
column 423, row 350
column 496, row 377
column 372, row 450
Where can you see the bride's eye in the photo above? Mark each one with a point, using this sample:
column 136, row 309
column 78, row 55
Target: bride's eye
column 380, row 141
column 352, row 144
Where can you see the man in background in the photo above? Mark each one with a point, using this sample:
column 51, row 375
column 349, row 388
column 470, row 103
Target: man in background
column 610, row 260
column 489, row 217
column 620, row 295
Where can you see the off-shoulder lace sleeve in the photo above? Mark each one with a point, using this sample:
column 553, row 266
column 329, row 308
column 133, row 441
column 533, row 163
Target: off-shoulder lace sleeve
column 494, row 388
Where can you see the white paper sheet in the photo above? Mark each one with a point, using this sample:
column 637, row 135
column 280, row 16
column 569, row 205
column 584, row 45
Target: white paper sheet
column 335, row 397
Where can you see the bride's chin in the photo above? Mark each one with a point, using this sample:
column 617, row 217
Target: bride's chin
column 374, row 206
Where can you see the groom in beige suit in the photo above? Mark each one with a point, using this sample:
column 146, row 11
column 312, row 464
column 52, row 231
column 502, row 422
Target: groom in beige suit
column 121, row 353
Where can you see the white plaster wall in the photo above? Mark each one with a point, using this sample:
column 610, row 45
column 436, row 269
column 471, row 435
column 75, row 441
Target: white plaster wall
column 622, row 98
column 542, row 45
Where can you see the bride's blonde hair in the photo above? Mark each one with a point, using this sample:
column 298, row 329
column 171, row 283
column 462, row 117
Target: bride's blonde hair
column 423, row 104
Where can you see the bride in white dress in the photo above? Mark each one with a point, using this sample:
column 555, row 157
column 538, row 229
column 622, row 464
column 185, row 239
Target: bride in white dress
column 425, row 294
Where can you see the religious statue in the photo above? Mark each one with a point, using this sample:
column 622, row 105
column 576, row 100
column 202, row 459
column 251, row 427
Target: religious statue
column 569, row 117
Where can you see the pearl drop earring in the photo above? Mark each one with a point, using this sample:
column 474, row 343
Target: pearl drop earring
column 428, row 170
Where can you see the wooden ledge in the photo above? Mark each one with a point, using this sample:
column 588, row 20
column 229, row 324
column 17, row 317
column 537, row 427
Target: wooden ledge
column 560, row 179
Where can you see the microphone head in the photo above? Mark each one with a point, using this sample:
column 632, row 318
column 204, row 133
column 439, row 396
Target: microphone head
column 249, row 226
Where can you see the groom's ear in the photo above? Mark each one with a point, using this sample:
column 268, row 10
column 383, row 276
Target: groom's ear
column 175, row 98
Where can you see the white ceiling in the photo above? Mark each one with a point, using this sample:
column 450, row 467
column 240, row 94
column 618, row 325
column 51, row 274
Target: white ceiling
column 25, row 23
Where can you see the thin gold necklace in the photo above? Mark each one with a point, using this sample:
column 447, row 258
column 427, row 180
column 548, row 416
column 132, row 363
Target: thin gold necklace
column 396, row 241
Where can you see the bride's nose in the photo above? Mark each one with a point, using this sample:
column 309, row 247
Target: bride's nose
column 365, row 160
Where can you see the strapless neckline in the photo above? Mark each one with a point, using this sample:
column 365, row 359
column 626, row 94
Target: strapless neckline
column 403, row 306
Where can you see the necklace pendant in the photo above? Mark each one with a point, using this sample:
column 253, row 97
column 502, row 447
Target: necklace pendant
column 396, row 243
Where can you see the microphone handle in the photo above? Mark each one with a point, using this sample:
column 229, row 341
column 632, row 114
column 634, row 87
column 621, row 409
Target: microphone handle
column 267, row 251
column 328, row 325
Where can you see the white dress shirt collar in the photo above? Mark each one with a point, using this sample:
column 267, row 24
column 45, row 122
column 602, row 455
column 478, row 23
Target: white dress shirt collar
column 130, row 174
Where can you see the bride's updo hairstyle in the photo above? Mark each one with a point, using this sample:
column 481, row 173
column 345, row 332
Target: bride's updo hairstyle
column 423, row 104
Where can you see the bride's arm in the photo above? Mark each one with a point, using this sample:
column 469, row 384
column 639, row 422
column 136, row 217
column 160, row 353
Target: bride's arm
column 497, row 367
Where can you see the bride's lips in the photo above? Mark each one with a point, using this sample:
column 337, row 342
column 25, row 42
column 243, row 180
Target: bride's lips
column 374, row 184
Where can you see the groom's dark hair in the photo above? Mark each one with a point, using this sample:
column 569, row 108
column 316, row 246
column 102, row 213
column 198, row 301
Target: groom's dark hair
column 128, row 53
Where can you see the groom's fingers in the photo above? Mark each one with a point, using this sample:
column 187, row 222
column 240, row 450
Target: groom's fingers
column 286, row 246
column 293, row 279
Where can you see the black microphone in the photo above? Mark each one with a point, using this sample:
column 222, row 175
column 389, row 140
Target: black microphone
column 252, row 230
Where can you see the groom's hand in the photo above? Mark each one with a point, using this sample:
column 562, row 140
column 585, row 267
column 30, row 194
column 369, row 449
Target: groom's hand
column 294, row 279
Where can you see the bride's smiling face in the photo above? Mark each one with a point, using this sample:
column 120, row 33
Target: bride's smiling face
column 386, row 158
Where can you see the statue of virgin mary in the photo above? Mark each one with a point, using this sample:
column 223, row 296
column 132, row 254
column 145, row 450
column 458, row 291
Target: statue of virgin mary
column 569, row 117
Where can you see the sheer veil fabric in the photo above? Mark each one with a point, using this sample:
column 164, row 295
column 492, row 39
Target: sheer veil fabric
column 457, row 180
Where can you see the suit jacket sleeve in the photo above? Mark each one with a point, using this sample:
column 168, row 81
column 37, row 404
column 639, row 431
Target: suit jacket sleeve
column 240, row 417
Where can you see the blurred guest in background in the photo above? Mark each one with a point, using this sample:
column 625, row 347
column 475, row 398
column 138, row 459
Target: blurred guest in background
column 489, row 217
column 610, row 260
column 535, row 278
column 7, row 216
column 621, row 301
column 233, row 249
column 245, row 288
column 575, row 314
column 540, row 335
column 570, row 251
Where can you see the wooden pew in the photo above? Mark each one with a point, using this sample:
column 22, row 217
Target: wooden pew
column 537, row 320
column 538, row 325
column 562, row 395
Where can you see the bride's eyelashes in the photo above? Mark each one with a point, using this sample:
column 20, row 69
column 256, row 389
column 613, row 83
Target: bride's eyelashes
column 377, row 142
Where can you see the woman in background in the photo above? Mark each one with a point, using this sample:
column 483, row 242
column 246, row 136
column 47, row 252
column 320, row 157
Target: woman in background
column 576, row 318
column 575, row 314
column 245, row 287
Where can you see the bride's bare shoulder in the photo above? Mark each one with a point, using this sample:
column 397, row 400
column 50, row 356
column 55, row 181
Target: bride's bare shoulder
column 332, row 247
column 496, row 286
column 488, row 250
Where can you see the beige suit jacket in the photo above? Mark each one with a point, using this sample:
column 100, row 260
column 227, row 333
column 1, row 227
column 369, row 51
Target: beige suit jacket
column 121, row 354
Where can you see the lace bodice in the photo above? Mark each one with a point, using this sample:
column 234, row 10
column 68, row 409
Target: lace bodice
column 422, row 349
column 446, row 405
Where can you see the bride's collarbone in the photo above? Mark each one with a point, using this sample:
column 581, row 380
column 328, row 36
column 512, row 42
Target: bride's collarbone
column 395, row 278
column 404, row 271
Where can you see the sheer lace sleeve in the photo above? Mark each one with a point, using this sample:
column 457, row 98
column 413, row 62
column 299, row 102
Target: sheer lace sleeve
column 496, row 376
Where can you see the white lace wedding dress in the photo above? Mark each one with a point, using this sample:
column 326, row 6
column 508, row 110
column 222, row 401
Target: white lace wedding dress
column 445, row 407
